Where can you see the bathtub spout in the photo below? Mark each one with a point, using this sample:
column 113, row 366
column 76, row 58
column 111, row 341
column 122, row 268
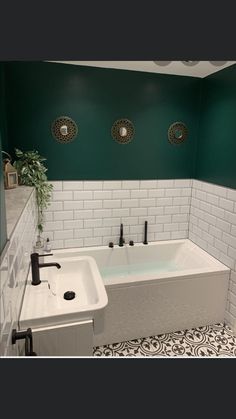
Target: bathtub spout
column 121, row 239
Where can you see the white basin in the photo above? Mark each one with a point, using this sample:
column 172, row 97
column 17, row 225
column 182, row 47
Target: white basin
column 45, row 305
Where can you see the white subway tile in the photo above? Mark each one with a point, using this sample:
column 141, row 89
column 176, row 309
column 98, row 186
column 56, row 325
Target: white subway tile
column 173, row 192
column 57, row 185
column 220, row 191
column 156, row 210
column 183, row 226
column 195, row 202
column 226, row 204
column 103, row 194
column 151, row 219
column 165, row 183
column 232, row 252
column 74, row 243
column 112, row 184
column 65, row 234
column 130, row 220
column 112, row 203
column 63, row 215
column 210, row 219
column 171, row 227
column 182, row 183
column 148, row 184
column 154, row 228
column 93, row 204
column 218, row 212
column 139, row 211
column 55, row 206
column 122, row 212
column 185, row 200
column 197, row 184
column 203, row 225
column 163, row 219
column 212, row 199
column 208, row 237
column 233, row 230
column 71, row 205
column 93, row 185
column 70, row 224
column 162, row 236
column 106, row 240
column 130, row 203
column 62, row 196
column 121, row 194
column 48, row 216
column 57, row 244
column 193, row 219
column 184, row 209
column 104, row 231
column 53, row 225
column 230, row 217
column 149, row 202
column 221, row 246
column 83, row 214
column 72, row 186
column 81, row 233
column 175, row 235
column 207, row 187
column 213, row 251
column 111, row 222
column 216, row 232
column 223, row 225
column 136, row 229
column 156, row 193
column 80, row 195
column 186, row 192
column 103, row 213
column 93, row 241
column 179, row 218
column 130, row 184
column 139, row 193
column 204, row 206
column 227, row 238
column 96, row 222
column 162, row 202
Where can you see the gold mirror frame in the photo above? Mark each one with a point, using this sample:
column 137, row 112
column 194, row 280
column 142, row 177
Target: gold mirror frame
column 72, row 129
column 116, row 131
column 180, row 127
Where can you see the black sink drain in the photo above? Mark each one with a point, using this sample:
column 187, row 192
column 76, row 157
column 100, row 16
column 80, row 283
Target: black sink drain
column 69, row 295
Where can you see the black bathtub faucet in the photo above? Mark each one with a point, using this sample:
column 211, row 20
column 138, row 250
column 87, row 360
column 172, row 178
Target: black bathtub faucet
column 145, row 233
column 35, row 265
column 121, row 239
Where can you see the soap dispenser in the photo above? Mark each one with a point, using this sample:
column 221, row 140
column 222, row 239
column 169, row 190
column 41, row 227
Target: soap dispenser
column 47, row 246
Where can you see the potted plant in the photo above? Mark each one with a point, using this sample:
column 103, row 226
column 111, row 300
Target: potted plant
column 32, row 172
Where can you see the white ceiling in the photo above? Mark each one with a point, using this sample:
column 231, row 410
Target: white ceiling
column 201, row 69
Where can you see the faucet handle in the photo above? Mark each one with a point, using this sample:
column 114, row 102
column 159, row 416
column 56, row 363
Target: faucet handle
column 47, row 254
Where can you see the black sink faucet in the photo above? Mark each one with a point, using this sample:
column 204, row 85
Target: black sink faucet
column 35, row 265
column 121, row 239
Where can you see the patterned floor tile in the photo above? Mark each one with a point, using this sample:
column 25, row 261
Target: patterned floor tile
column 206, row 341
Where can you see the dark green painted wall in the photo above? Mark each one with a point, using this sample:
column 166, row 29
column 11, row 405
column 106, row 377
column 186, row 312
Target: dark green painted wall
column 37, row 93
column 216, row 154
column 3, row 231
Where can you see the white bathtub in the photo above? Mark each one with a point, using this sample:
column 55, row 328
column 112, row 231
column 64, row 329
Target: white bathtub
column 157, row 288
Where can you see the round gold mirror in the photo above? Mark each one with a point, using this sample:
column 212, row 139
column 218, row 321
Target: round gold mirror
column 177, row 133
column 64, row 129
column 123, row 131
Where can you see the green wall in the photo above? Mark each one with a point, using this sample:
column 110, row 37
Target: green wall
column 216, row 154
column 3, row 230
column 39, row 92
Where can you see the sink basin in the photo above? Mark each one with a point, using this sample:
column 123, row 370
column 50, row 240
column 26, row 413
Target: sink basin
column 45, row 305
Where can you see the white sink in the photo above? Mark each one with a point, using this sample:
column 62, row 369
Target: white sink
column 45, row 305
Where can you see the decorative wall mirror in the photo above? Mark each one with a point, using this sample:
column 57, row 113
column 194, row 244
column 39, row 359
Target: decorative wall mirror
column 64, row 129
column 123, row 131
column 177, row 133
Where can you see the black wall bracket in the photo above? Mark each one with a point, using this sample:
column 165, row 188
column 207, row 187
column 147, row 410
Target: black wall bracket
column 27, row 335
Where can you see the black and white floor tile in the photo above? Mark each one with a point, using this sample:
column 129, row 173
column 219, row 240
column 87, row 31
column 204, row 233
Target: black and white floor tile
column 207, row 341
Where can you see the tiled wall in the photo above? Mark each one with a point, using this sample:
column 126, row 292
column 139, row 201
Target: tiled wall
column 87, row 213
column 13, row 273
column 212, row 226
